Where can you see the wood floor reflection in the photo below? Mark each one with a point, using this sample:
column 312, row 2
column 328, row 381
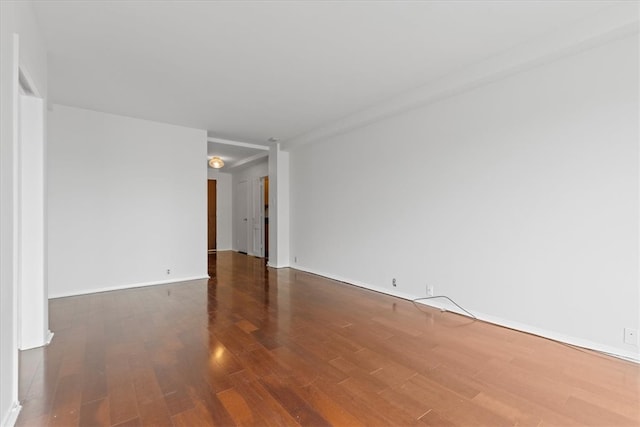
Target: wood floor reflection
column 257, row 346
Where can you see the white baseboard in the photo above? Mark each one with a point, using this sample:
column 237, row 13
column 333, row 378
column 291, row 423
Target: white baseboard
column 544, row 333
column 129, row 286
column 12, row 416
column 443, row 305
column 271, row 265
column 278, row 266
column 45, row 341
column 286, row 264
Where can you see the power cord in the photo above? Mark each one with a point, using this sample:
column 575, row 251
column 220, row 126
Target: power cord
column 573, row 346
column 450, row 300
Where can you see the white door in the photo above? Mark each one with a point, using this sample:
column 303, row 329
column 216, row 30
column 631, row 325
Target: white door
column 257, row 218
column 242, row 217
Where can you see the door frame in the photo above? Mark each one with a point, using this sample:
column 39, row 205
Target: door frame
column 215, row 244
column 264, row 218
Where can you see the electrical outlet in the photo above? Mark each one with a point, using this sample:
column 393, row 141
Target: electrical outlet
column 631, row 336
column 168, row 271
column 429, row 290
column 393, row 282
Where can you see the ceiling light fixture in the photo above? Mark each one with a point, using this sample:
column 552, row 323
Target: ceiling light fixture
column 216, row 162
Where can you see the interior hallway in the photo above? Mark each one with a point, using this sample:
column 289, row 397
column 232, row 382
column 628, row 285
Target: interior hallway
column 258, row 346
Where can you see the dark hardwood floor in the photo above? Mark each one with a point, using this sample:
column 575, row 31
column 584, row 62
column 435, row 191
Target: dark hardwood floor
column 257, row 346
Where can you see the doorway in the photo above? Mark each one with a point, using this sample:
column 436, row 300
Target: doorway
column 260, row 217
column 212, row 222
column 242, row 243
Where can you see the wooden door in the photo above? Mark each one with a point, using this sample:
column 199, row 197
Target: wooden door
column 211, row 214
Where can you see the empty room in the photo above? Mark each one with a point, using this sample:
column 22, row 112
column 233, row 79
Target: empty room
column 346, row 213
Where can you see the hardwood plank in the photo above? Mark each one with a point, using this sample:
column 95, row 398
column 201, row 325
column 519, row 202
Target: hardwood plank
column 434, row 419
column 66, row 404
column 515, row 414
column 625, row 407
column 270, row 411
column 94, row 382
column 173, row 389
column 328, row 407
column 211, row 408
column 95, row 413
column 122, row 402
column 526, row 411
column 193, row 417
column 393, row 374
column 154, row 413
column 385, row 411
column 237, row 407
column 415, row 408
column 246, row 326
column 299, row 409
column 135, row 422
column 590, row 414
column 258, row 346
column 36, row 410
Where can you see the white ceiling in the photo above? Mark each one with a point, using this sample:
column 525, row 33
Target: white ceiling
column 248, row 71
column 234, row 155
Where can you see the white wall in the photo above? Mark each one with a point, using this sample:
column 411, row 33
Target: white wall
column 518, row 199
column 224, row 211
column 279, row 207
column 127, row 202
column 33, row 301
column 15, row 18
column 250, row 174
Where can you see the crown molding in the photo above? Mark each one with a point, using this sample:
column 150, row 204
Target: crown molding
column 611, row 23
